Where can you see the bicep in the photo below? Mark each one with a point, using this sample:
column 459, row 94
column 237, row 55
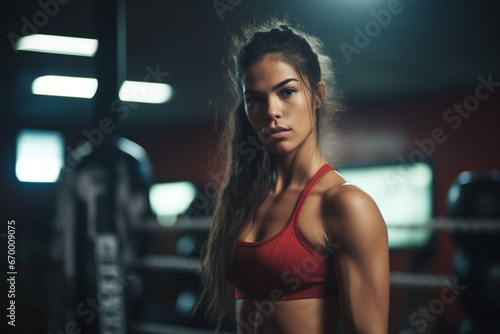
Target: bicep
column 362, row 264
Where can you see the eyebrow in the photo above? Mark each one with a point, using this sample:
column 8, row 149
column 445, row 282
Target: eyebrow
column 275, row 87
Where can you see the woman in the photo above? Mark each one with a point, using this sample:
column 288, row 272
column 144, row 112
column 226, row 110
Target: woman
column 298, row 246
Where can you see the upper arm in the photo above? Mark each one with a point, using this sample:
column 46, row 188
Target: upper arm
column 353, row 220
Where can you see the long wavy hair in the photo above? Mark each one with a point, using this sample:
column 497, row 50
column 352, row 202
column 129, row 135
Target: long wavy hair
column 249, row 166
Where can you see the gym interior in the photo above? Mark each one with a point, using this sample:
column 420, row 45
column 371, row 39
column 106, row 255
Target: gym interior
column 130, row 96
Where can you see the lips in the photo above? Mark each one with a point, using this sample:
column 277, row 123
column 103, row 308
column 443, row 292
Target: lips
column 278, row 131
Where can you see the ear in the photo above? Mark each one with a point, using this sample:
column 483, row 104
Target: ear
column 319, row 101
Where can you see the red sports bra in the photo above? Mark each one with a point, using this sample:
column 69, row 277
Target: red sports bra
column 285, row 266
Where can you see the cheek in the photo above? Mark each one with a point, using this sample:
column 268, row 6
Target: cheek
column 302, row 113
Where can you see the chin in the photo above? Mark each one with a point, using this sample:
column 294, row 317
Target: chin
column 279, row 149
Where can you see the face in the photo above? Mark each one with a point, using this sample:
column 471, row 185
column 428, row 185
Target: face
column 278, row 105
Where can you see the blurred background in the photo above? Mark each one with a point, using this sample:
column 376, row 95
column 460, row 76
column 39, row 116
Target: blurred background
column 108, row 149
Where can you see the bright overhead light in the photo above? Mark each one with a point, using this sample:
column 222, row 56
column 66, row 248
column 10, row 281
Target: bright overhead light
column 64, row 86
column 39, row 156
column 145, row 92
column 58, row 44
column 131, row 91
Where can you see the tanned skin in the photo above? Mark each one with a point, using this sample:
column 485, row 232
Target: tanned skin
column 335, row 213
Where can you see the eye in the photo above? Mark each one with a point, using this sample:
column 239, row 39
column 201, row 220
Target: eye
column 287, row 92
column 252, row 99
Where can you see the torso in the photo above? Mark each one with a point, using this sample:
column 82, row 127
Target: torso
column 299, row 316
column 310, row 315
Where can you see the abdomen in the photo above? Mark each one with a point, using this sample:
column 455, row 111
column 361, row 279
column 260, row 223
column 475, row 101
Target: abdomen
column 312, row 316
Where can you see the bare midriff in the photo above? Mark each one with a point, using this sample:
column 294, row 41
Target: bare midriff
column 298, row 316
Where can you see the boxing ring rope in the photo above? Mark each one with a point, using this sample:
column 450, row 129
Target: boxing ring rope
column 176, row 263
column 419, row 280
column 192, row 265
column 477, row 225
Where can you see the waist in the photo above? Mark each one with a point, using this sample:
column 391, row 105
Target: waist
column 312, row 316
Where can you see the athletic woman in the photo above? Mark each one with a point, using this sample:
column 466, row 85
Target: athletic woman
column 300, row 248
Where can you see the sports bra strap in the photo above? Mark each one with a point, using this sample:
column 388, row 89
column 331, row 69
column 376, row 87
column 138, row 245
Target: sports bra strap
column 316, row 178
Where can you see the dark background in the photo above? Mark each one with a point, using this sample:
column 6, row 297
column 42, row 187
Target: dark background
column 396, row 90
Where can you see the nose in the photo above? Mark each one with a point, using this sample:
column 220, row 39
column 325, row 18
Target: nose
column 273, row 110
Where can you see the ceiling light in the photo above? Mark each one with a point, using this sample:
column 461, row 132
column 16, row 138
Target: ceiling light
column 64, row 86
column 58, row 44
column 145, row 92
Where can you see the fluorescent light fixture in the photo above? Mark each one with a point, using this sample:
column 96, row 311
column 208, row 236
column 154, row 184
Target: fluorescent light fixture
column 168, row 200
column 73, row 46
column 39, row 156
column 131, row 91
column 145, row 92
column 403, row 195
column 64, row 86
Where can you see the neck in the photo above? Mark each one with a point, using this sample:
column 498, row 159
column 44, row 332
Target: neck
column 296, row 169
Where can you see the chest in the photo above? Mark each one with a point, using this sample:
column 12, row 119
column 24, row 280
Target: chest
column 287, row 259
column 277, row 211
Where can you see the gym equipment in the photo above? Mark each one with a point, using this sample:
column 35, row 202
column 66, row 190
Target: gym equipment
column 476, row 195
column 99, row 202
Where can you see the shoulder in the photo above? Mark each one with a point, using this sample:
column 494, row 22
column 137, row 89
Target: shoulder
column 350, row 215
